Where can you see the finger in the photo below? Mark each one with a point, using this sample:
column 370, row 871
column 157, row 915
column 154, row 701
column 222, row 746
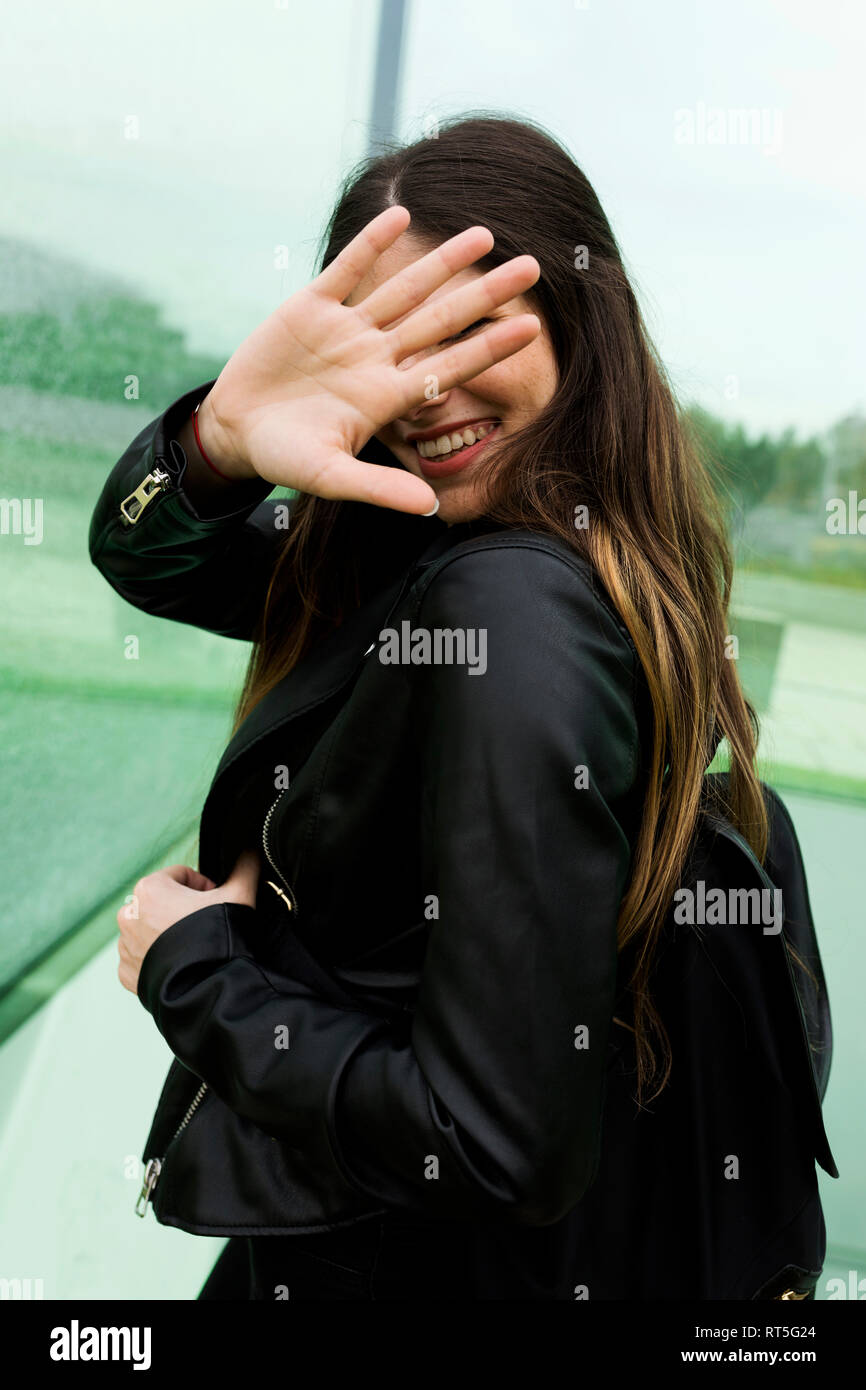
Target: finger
column 200, row 882
column 247, row 863
column 356, row 260
column 245, row 873
column 189, row 877
column 342, row 476
column 463, row 361
column 128, row 978
column 435, row 322
column 413, row 284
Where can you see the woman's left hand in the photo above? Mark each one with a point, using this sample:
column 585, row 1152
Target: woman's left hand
column 163, row 898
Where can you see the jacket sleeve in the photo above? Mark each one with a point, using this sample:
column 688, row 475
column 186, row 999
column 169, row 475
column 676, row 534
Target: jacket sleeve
column 209, row 571
column 487, row 1101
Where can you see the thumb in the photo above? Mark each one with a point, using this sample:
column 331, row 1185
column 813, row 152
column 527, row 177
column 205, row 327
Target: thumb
column 246, row 869
column 339, row 475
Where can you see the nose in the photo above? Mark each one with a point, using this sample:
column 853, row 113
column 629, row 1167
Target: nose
column 417, row 412
column 433, row 396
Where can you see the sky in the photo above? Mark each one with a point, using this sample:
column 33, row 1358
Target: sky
column 194, row 150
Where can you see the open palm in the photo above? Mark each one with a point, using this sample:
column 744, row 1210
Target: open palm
column 304, row 392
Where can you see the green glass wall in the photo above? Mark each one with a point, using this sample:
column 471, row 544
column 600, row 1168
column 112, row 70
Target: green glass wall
column 168, row 172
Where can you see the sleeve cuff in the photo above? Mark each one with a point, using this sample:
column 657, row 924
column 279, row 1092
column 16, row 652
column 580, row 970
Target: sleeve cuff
column 245, row 496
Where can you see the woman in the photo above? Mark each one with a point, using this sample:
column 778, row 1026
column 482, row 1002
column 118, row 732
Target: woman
column 435, row 1033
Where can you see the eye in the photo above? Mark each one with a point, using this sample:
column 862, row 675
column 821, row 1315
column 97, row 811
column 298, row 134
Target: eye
column 469, row 329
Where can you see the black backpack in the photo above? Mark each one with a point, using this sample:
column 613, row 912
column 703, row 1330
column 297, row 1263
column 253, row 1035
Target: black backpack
column 717, row 1176
column 809, row 1022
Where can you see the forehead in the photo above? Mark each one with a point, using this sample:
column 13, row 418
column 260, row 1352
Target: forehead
column 404, row 251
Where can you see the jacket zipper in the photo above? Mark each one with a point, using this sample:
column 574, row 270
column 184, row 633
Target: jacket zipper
column 154, row 1166
column 287, row 896
column 132, row 507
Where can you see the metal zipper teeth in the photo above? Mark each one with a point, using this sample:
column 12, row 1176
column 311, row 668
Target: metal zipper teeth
column 157, row 481
column 154, row 1165
column 288, row 896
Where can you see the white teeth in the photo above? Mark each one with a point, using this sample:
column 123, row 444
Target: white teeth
column 450, row 443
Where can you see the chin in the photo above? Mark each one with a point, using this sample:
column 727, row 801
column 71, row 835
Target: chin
column 454, row 507
column 459, row 499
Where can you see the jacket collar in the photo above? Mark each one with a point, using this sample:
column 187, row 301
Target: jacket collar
column 325, row 669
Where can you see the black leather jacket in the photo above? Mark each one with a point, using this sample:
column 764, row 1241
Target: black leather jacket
column 418, row 1015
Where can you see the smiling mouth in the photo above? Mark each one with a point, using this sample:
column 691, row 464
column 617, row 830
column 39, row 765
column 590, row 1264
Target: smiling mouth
column 453, row 459
column 455, row 441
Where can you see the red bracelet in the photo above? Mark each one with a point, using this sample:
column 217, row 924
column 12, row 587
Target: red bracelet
column 201, row 450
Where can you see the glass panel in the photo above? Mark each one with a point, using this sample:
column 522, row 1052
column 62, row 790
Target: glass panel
column 166, row 180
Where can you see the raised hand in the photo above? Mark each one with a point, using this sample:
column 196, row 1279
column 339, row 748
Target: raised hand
column 305, row 391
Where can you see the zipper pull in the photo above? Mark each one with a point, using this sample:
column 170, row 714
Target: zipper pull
column 286, row 899
column 155, row 482
column 151, row 1177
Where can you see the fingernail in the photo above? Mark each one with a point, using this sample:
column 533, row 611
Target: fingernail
column 433, row 510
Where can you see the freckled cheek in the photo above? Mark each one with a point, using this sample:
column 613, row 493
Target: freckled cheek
column 497, row 387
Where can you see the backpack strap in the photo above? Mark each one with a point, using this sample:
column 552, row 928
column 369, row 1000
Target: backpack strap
column 805, row 984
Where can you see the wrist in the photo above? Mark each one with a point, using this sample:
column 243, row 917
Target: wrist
column 212, row 445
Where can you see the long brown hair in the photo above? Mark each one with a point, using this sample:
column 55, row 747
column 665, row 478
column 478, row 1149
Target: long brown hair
column 611, row 440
